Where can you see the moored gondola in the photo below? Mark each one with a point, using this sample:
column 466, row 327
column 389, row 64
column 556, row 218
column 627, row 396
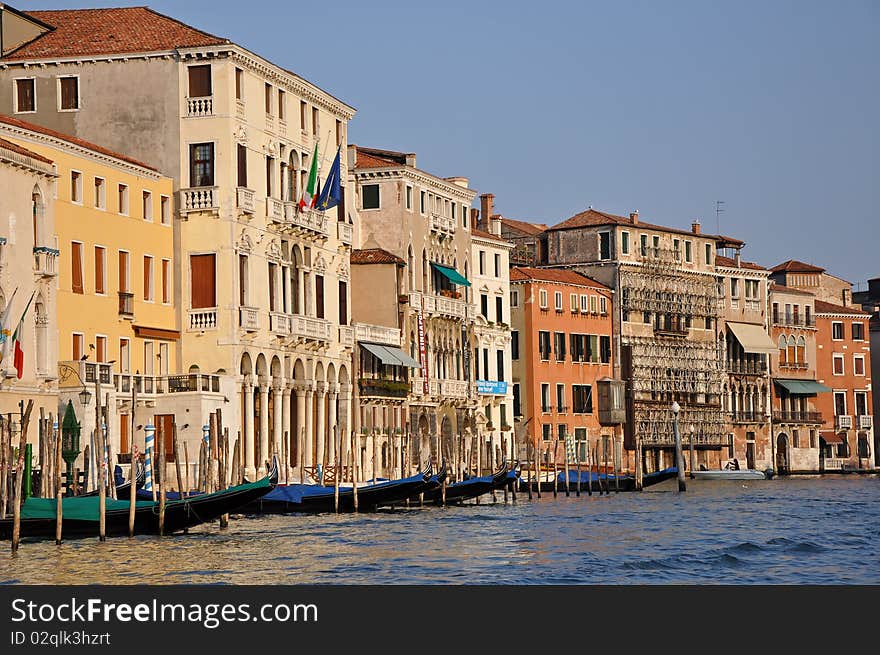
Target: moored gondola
column 462, row 490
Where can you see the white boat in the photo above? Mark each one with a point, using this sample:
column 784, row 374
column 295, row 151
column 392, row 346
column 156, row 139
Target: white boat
column 730, row 472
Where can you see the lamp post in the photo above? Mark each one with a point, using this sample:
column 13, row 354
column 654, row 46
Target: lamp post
column 693, row 429
column 679, row 462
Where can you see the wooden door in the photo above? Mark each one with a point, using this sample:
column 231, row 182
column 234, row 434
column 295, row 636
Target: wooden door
column 165, row 430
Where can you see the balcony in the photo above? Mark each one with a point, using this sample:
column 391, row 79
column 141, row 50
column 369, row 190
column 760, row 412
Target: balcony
column 456, row 389
column 249, row 318
column 244, row 200
column 346, row 336
column 306, row 222
column 797, row 417
column 279, row 324
column 200, row 199
column 866, row 422
column 746, row 368
column 275, row 210
column 377, row 334
column 45, row 261
column 126, row 305
column 833, row 463
column 306, row 328
column 152, row 385
column 439, row 305
column 442, row 224
column 203, row 319
column 798, row 366
column 671, row 331
column 794, row 321
column 843, row 422
column 417, row 385
column 383, row 388
column 199, row 107
column 89, row 373
column 344, row 232
column 747, row 417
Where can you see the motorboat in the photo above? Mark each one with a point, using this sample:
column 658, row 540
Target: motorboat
column 732, row 472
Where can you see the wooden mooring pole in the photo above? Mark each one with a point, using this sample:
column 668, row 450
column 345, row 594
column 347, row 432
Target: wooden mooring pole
column 19, row 474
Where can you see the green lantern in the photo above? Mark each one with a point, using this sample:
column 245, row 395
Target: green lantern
column 70, row 430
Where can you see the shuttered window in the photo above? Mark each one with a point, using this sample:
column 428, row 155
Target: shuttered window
column 272, row 277
column 148, row 278
column 199, row 81
column 343, row 303
column 242, row 165
column 99, row 269
column 124, row 426
column 201, row 164
column 78, row 343
column 69, row 93
column 76, row 266
column 24, row 92
column 202, row 280
column 166, row 281
column 123, row 271
column 319, row 296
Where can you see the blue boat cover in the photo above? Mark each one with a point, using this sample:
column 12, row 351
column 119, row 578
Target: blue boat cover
column 295, row 493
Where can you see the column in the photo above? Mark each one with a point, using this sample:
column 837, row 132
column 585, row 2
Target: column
column 285, row 423
column 264, row 422
column 301, row 292
column 247, row 389
column 308, row 442
column 332, row 395
column 299, row 436
column 321, row 395
column 277, row 415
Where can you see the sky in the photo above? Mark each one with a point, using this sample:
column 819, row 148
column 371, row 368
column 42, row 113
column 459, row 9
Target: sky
column 664, row 107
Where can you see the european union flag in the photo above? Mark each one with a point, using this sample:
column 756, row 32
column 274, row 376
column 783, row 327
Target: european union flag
column 331, row 194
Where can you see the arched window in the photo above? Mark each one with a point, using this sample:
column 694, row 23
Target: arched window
column 411, row 268
column 783, row 358
column 293, row 176
column 801, row 349
column 425, row 287
column 38, row 212
column 792, row 350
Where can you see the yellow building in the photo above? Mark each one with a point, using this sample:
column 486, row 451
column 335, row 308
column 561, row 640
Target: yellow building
column 115, row 300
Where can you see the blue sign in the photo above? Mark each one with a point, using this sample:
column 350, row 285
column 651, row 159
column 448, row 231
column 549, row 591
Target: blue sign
column 492, row 387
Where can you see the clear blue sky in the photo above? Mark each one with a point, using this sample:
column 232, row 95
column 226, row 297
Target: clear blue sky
column 664, row 107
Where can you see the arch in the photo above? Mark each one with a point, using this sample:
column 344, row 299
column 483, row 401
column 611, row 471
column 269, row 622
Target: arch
column 425, row 276
column 792, row 350
column 783, row 350
column 275, row 367
column 801, row 350
column 296, row 256
column 319, row 372
column 293, row 176
column 782, row 463
column 38, row 210
column 246, row 367
column 411, row 270
column 342, row 375
column 262, row 369
column 331, row 373
column 299, row 370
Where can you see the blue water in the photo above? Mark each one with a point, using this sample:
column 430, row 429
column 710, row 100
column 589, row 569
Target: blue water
column 810, row 530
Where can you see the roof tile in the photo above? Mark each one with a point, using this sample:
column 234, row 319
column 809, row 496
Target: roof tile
column 562, row 275
column 374, row 256
column 14, row 147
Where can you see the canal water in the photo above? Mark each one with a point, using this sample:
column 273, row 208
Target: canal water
column 785, row 531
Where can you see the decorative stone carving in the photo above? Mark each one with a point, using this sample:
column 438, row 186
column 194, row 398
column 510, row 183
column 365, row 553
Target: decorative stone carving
column 244, row 243
column 320, row 265
column 241, row 135
column 273, row 250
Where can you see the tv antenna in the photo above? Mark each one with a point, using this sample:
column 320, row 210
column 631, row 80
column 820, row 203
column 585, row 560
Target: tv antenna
column 719, row 209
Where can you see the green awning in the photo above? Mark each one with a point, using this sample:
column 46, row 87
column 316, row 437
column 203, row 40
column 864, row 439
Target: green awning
column 451, row 274
column 390, row 356
column 802, row 387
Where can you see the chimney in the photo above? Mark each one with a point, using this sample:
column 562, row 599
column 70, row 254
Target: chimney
column 495, row 224
column 475, row 218
column 487, row 208
column 695, row 226
column 634, row 217
column 410, row 159
column 736, row 258
column 847, row 298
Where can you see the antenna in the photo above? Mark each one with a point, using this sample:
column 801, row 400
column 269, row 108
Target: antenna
column 719, row 209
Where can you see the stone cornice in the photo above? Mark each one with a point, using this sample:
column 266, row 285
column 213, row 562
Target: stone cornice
column 732, row 271
column 21, row 161
column 860, row 317
column 492, row 243
column 415, row 175
column 55, row 142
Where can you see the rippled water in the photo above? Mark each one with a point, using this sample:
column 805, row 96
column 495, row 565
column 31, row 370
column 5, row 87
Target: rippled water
column 818, row 531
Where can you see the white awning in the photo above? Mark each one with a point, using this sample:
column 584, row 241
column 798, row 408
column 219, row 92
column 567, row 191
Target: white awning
column 752, row 338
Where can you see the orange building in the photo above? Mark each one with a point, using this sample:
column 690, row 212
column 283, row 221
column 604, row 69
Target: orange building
column 561, row 344
column 843, row 363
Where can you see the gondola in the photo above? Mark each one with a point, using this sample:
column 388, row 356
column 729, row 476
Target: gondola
column 123, row 486
column 624, row 482
column 315, row 498
column 80, row 513
column 471, row 488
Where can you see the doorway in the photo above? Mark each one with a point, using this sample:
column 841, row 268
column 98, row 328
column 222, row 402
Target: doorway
column 782, row 454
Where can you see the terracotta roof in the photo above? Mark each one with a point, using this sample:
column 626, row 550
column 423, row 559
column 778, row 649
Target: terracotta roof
column 14, row 147
column 524, row 226
column 784, row 289
column 488, row 235
column 721, row 260
column 565, row 276
column 594, row 218
column 377, row 158
column 84, row 32
column 794, row 266
column 823, row 307
column 375, row 256
column 9, row 120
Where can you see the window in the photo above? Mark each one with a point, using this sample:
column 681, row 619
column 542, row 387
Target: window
column 452, row 207
column 858, row 331
column 315, row 120
column 499, row 310
column 486, row 363
column 676, row 249
column 201, row 164
column 148, row 278
column 124, row 355
column 861, row 398
column 166, row 281
column 783, row 351
column 100, row 270
column 100, row 348
column 319, row 296
column 484, row 305
column 656, row 243
column 546, row 430
column 370, row 195
column 514, row 298
column 200, row 81
column 422, row 202
column 148, row 357
column 243, row 280
column 603, row 305
column 544, row 344
column 497, row 265
column 582, row 398
column 514, row 344
column 545, row 397
column 68, row 93
column 268, row 96
column 624, row 243
column 858, row 364
column 751, row 287
column 123, row 271
column 122, row 199
column 202, row 281
column 517, row 405
column 557, row 301
column 734, row 288
column 409, row 198
column 282, row 100
column 343, row 302
column 25, row 98
column 76, row 263
column 708, row 247
column 776, row 312
column 542, row 298
column 593, row 304
column 100, row 193
column 482, row 262
column 464, row 218
column 573, row 302
column 78, row 345
column 838, row 364
column 559, row 346
column 688, row 252
column 643, row 245
column 499, row 363
column 241, row 165
column 605, row 348
column 76, row 187
column 837, row 331
column 604, row 245
column 840, row 403
column 339, row 134
column 148, row 206
column 239, row 84
column 807, row 315
column 165, row 209
column 585, row 304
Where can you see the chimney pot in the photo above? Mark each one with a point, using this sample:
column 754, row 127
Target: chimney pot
column 487, row 208
column 634, row 217
column 495, row 224
column 695, row 226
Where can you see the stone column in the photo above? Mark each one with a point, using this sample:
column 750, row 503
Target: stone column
column 332, row 395
column 285, row 420
column 309, row 440
column 277, row 415
column 298, row 435
column 247, row 389
column 321, row 393
column 264, row 422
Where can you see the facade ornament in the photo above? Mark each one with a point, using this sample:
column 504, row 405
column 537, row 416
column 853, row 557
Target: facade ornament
column 244, row 243
column 241, row 135
column 342, row 270
column 320, row 265
column 273, row 250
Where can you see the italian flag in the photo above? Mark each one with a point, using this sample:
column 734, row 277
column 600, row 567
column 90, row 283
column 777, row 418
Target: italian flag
column 310, row 195
column 18, row 354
